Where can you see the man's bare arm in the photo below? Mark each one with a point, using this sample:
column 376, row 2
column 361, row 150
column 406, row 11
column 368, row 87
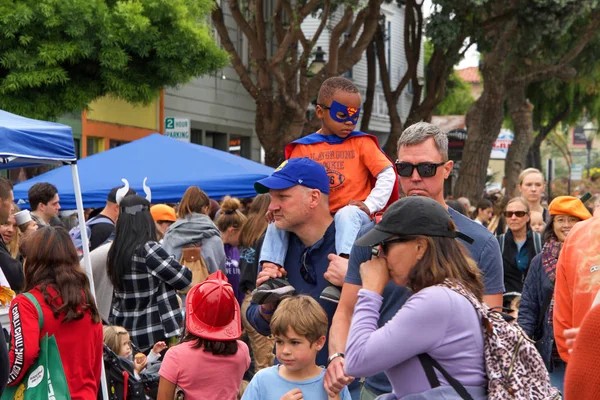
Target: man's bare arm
column 493, row 300
column 335, row 377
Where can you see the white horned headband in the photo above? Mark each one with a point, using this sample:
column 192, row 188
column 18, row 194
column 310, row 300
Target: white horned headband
column 121, row 193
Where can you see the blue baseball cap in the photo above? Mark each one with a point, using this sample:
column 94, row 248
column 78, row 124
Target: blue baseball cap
column 295, row 171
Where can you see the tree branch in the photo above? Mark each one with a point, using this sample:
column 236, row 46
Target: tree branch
column 545, row 130
column 368, row 23
column 384, row 74
column 253, row 39
column 336, row 34
column 278, row 21
column 236, row 61
column 261, row 28
column 369, row 97
column 322, row 24
column 560, row 69
column 281, row 85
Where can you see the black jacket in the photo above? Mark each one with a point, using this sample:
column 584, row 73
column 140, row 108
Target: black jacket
column 249, row 258
column 12, row 269
column 513, row 276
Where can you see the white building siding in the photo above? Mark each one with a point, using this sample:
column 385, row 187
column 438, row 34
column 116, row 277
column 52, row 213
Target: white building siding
column 379, row 124
column 221, row 109
column 218, row 105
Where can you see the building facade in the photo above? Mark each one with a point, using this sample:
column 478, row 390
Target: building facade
column 393, row 20
column 220, row 110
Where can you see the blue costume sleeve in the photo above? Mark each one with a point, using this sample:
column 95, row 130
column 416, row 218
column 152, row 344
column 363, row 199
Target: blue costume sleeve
column 257, row 321
column 358, row 255
column 490, row 264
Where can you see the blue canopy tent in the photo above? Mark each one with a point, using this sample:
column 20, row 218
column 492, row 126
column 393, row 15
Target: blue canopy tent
column 27, row 142
column 170, row 165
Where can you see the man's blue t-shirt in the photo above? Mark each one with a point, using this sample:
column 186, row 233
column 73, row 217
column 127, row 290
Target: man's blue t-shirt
column 267, row 384
column 484, row 250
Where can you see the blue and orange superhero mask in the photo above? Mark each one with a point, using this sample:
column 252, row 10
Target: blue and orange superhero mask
column 342, row 113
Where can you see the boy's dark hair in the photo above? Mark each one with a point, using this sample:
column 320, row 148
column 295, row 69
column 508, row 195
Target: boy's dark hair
column 484, row 204
column 5, row 188
column 41, row 193
column 216, row 347
column 332, row 85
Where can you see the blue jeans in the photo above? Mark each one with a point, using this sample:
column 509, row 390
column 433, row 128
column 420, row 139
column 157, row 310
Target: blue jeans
column 348, row 221
column 557, row 377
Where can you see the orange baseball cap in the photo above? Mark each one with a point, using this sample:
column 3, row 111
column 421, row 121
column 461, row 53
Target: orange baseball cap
column 163, row 212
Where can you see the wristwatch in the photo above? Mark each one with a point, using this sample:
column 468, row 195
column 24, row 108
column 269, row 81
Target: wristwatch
column 333, row 356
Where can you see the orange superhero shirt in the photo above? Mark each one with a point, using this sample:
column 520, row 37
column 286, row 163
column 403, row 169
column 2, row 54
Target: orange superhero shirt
column 351, row 165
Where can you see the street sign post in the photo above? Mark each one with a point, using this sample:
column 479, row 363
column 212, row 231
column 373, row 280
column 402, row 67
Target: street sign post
column 178, row 128
column 549, row 176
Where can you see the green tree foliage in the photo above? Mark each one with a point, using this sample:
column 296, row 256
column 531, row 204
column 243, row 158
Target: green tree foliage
column 57, row 56
column 529, row 41
column 565, row 102
column 458, row 98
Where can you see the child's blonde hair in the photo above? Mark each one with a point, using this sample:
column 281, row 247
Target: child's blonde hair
column 515, row 303
column 230, row 214
column 303, row 314
column 243, row 387
column 112, row 337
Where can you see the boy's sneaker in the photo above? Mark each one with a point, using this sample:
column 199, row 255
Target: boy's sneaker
column 331, row 293
column 272, row 291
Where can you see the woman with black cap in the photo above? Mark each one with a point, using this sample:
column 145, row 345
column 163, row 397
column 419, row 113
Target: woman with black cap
column 416, row 247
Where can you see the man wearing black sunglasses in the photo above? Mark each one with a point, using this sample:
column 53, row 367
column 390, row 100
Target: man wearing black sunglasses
column 422, row 167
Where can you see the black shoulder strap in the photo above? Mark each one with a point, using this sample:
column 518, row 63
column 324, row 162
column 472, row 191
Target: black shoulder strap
column 501, row 242
column 429, row 364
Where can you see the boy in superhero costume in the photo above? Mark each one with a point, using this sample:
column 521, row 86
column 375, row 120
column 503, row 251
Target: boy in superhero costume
column 361, row 177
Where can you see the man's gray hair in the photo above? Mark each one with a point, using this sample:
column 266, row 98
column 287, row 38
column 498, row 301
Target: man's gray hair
column 420, row 132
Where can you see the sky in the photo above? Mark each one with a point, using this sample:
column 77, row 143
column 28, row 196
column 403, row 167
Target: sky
column 471, row 57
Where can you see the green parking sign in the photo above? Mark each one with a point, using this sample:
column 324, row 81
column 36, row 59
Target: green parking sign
column 178, row 128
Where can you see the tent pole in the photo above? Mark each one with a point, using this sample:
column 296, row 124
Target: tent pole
column 86, row 257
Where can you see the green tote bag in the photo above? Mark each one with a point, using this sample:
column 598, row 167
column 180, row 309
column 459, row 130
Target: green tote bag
column 45, row 379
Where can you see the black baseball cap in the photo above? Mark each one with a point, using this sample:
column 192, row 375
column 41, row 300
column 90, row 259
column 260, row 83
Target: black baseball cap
column 412, row 216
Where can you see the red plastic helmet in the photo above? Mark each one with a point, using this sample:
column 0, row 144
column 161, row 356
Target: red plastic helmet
column 213, row 312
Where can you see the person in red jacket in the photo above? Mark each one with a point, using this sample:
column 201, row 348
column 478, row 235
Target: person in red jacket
column 582, row 376
column 53, row 276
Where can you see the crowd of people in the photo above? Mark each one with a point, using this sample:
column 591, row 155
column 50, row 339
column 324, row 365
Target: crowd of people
column 323, row 286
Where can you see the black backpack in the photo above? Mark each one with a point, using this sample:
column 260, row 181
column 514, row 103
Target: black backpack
column 121, row 381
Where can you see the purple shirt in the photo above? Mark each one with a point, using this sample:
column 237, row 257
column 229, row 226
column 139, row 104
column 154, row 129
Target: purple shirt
column 232, row 268
column 436, row 321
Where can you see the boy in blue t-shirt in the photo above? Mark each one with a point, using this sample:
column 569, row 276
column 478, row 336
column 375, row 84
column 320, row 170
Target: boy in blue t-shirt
column 299, row 326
